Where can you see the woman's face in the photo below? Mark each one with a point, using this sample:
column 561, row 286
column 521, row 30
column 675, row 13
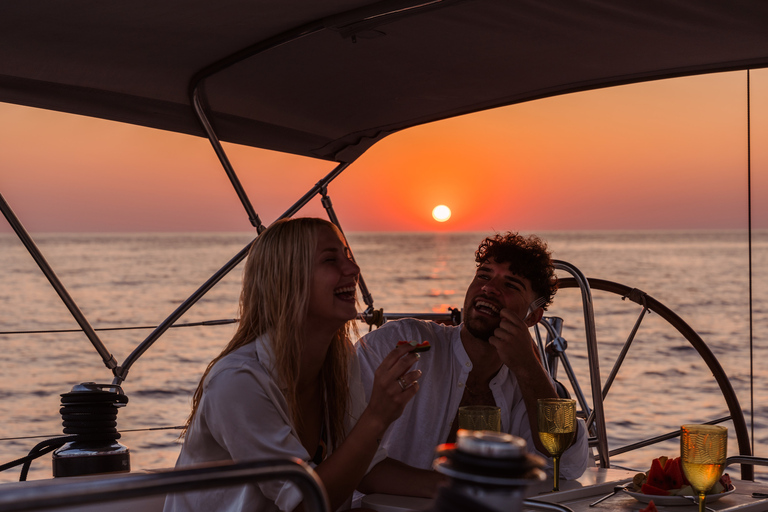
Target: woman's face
column 334, row 283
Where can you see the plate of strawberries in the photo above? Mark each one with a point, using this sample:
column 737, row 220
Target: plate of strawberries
column 666, row 484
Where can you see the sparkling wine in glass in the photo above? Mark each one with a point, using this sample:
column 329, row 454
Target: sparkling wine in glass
column 480, row 417
column 557, row 428
column 703, row 450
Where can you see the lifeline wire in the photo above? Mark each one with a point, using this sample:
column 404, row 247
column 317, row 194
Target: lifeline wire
column 122, row 431
column 205, row 323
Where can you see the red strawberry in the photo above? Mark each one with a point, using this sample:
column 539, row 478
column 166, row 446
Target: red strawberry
column 656, row 475
column 673, row 474
column 417, row 347
column 650, row 489
column 666, row 474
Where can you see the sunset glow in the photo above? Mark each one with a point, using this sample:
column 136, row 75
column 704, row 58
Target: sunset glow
column 441, row 213
column 669, row 154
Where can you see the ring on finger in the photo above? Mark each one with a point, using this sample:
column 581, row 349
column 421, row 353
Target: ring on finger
column 402, row 383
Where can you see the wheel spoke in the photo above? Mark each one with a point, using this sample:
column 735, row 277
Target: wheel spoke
column 623, row 354
column 649, row 304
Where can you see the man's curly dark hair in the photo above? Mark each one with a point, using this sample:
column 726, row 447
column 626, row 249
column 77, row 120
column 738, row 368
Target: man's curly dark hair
column 528, row 256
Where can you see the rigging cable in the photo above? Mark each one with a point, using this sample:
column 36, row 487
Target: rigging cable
column 204, row 323
column 749, row 224
column 122, row 431
column 38, row 451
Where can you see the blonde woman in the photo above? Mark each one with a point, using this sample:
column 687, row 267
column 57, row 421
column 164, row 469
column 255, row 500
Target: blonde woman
column 288, row 383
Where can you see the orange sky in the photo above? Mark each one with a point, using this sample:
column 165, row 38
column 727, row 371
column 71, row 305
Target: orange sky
column 662, row 155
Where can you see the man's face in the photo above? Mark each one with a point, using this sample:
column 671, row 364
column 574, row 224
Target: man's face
column 494, row 287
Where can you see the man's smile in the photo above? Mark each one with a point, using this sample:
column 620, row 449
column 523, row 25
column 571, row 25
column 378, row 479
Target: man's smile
column 487, row 308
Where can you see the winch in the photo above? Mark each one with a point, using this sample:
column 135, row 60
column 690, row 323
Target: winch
column 488, row 471
column 89, row 412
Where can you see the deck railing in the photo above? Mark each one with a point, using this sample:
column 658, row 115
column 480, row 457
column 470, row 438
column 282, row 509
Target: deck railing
column 78, row 492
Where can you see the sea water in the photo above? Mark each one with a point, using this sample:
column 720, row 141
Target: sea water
column 127, row 283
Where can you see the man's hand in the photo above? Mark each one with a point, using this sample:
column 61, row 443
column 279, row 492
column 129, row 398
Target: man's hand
column 517, row 351
column 513, row 341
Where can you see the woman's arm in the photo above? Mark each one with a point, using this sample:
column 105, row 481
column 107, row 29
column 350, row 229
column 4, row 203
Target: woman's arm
column 345, row 468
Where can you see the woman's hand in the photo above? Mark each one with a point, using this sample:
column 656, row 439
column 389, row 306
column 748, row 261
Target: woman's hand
column 394, row 385
column 342, row 471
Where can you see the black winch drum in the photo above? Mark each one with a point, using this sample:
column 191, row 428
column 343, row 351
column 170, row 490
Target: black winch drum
column 89, row 412
column 491, row 468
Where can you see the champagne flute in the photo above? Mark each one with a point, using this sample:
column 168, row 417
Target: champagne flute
column 703, row 450
column 557, row 428
column 480, row 417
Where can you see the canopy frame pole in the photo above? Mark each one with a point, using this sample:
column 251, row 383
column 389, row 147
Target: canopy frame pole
column 122, row 372
column 253, row 217
column 66, row 298
column 197, row 90
column 348, row 20
column 328, row 205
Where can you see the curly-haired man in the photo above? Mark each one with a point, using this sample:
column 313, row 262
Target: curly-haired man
column 490, row 359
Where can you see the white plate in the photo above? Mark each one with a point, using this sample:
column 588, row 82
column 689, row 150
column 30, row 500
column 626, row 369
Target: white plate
column 676, row 500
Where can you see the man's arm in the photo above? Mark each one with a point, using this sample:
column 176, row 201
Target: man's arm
column 516, row 350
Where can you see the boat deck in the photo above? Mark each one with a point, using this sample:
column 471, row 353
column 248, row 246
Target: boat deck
column 146, row 492
column 594, row 484
column 580, row 498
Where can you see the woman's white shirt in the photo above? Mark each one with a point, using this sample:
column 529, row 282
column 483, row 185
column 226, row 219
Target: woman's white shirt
column 243, row 416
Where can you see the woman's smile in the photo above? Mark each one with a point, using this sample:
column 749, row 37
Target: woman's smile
column 347, row 293
column 332, row 295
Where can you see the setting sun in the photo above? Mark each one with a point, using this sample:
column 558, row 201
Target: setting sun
column 441, row 213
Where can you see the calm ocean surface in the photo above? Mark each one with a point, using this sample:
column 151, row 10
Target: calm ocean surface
column 136, row 280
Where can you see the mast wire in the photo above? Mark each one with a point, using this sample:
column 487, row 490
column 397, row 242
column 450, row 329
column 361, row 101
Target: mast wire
column 749, row 224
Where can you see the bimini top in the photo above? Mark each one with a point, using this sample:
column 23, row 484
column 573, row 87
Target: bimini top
column 328, row 78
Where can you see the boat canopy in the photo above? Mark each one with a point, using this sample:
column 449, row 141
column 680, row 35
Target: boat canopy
column 329, row 78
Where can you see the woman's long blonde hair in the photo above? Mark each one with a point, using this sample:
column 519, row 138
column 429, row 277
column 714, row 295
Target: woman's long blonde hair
column 274, row 301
